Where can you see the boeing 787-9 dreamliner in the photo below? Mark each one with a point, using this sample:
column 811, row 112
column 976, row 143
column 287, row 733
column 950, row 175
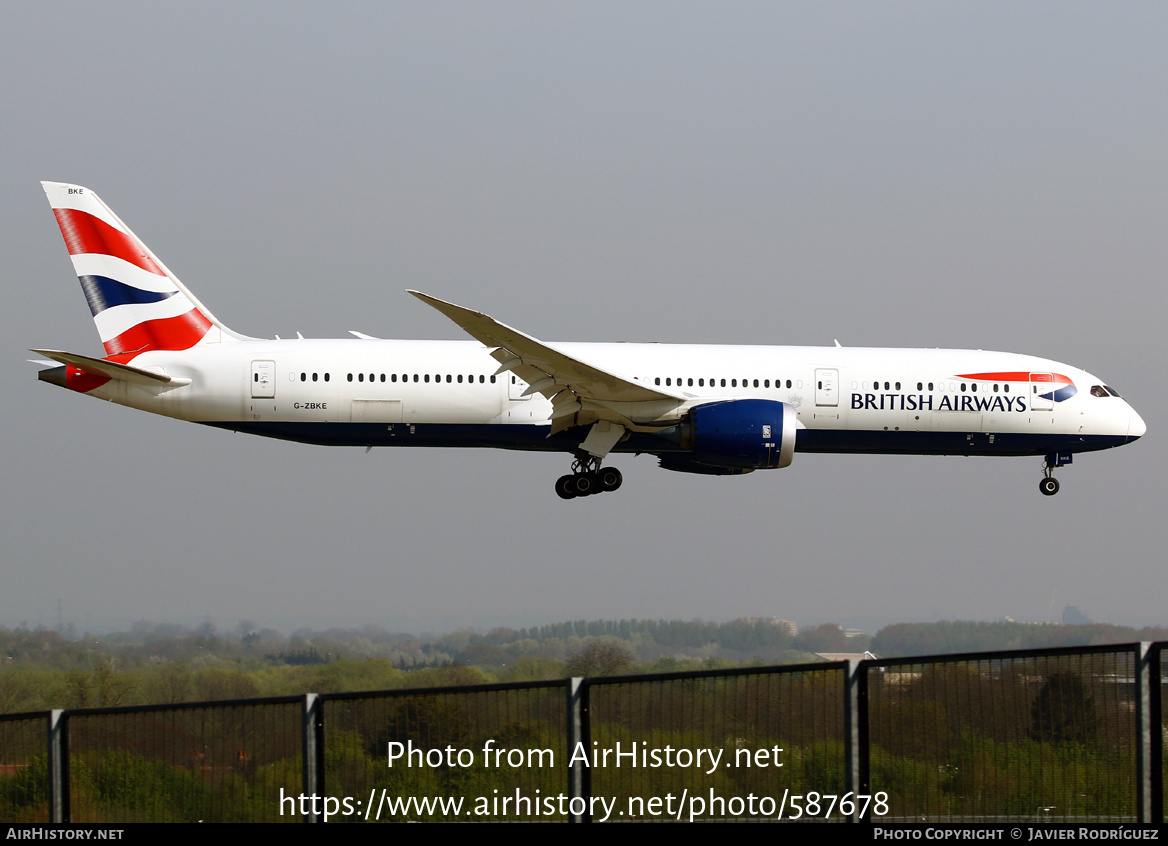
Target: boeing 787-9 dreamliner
column 715, row 410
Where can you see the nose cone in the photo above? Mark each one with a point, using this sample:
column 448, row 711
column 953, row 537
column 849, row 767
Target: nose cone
column 1135, row 424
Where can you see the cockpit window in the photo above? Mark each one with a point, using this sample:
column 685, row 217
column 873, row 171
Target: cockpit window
column 1112, row 391
column 1098, row 391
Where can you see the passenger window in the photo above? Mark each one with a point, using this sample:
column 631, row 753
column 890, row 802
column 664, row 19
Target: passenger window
column 788, row 383
column 303, row 377
column 492, row 379
column 427, row 377
column 326, row 377
column 756, row 383
column 930, row 386
column 350, row 377
column 313, row 377
column 656, row 380
column 898, row 386
column 973, row 387
column 723, row 383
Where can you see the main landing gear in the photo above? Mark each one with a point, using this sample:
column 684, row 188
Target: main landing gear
column 1049, row 484
column 588, row 477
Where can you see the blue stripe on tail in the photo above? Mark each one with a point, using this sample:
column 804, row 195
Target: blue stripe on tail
column 103, row 292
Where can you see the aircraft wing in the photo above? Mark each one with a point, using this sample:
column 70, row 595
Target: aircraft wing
column 571, row 384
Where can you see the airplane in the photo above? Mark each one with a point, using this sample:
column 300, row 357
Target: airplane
column 714, row 410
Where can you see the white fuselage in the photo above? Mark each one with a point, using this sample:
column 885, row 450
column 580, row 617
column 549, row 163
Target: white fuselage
column 845, row 399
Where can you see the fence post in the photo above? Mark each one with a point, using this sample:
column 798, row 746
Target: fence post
column 58, row 769
column 579, row 775
column 856, row 733
column 311, row 753
column 1149, row 751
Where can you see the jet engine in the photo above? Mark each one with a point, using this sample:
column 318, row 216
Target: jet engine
column 733, row 436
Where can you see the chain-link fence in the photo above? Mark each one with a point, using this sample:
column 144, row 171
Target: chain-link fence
column 24, row 769
column 714, row 740
column 979, row 738
column 203, row 762
column 1061, row 735
column 504, row 743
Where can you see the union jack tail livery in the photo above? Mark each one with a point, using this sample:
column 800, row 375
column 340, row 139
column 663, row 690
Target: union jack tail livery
column 137, row 304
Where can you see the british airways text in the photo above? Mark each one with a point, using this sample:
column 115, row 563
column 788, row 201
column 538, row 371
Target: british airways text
column 925, row 402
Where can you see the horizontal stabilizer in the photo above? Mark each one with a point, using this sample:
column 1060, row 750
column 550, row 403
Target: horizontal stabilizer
column 113, row 370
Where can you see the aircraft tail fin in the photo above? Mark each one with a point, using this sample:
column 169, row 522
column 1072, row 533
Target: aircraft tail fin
column 137, row 303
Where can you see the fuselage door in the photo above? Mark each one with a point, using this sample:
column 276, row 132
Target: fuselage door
column 263, row 379
column 826, row 384
column 1041, row 383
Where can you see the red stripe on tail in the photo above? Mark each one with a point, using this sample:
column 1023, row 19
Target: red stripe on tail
column 85, row 233
column 167, row 333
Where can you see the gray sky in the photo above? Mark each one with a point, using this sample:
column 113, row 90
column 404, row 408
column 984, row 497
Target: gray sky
column 913, row 174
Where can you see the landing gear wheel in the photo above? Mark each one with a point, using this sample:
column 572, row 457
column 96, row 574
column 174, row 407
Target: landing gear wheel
column 1049, row 486
column 585, row 484
column 587, row 478
column 610, row 479
column 566, row 487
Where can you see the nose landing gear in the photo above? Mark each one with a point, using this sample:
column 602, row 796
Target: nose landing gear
column 1049, row 484
column 588, row 477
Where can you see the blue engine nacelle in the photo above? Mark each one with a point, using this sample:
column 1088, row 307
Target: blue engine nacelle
column 736, row 435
